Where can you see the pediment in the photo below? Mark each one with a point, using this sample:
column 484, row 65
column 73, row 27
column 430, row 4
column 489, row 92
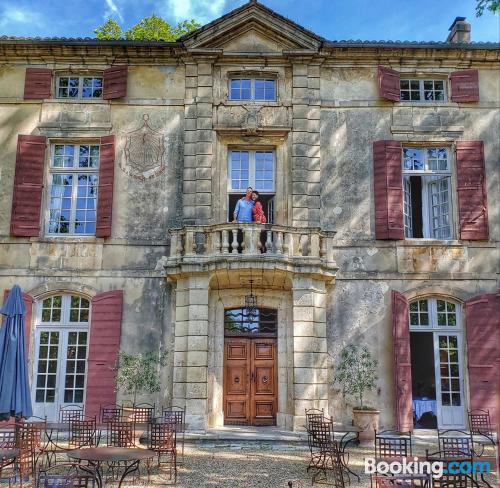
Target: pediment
column 252, row 28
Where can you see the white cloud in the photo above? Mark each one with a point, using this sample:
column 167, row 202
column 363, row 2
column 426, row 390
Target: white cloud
column 201, row 10
column 13, row 15
column 112, row 10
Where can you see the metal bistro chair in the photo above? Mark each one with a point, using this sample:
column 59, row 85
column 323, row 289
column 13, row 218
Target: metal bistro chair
column 142, row 413
column 393, row 444
column 83, row 433
column 68, row 412
column 163, row 440
column 29, row 434
column 403, row 481
column 314, row 414
column 66, row 475
column 449, row 480
column 110, row 412
column 120, row 434
column 480, row 425
column 456, row 443
column 178, row 416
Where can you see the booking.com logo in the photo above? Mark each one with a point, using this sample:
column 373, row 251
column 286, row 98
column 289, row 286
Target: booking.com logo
column 435, row 468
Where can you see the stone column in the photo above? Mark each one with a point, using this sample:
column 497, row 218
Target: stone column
column 310, row 382
column 191, row 350
column 306, row 145
column 198, row 146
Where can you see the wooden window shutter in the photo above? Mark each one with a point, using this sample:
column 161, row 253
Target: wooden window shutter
column 388, row 83
column 28, row 303
column 28, row 184
column 37, row 83
column 115, row 82
column 465, row 86
column 402, row 362
column 105, row 189
column 482, row 314
column 388, row 187
column 104, row 346
column 471, row 189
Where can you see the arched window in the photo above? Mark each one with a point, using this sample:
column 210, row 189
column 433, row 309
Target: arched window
column 59, row 371
column 437, row 362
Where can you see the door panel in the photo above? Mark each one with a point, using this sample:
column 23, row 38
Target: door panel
column 250, row 381
column 236, row 381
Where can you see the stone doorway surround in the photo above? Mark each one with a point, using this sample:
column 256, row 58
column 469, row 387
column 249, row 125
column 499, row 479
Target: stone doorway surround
column 206, row 280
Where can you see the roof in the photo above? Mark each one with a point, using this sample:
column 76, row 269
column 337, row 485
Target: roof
column 252, row 4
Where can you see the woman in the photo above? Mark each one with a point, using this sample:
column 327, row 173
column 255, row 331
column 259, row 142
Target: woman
column 257, row 212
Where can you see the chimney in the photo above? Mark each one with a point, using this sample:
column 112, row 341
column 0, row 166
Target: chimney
column 459, row 31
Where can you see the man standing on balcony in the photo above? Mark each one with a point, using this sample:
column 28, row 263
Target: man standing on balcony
column 244, row 206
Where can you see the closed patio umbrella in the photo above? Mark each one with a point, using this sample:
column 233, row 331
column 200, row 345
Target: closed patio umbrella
column 15, row 397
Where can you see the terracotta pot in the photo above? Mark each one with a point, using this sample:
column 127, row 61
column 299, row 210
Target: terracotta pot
column 367, row 421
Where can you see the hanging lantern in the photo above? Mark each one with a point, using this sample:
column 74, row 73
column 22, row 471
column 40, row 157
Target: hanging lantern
column 251, row 302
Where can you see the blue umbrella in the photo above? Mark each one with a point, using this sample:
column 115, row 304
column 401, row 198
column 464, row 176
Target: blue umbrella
column 15, row 399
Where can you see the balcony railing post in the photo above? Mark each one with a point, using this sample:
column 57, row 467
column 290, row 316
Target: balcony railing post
column 234, row 243
column 214, row 242
column 279, row 242
column 269, row 241
column 314, row 244
column 287, row 246
column 225, row 241
column 174, row 244
column 189, row 248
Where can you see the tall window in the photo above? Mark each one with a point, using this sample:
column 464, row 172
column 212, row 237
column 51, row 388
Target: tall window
column 255, row 168
column 427, row 192
column 62, row 331
column 257, row 89
column 78, row 87
column 74, row 174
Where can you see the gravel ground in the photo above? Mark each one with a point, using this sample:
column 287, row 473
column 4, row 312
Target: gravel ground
column 238, row 466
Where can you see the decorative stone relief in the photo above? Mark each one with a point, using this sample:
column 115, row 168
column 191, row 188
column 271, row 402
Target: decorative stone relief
column 143, row 157
column 253, row 116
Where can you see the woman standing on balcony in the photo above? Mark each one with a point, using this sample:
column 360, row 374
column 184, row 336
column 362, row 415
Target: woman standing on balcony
column 257, row 212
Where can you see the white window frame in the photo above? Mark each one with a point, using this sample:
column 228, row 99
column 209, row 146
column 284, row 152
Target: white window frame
column 421, row 89
column 252, row 79
column 251, row 171
column 80, row 87
column 63, row 327
column 74, row 170
column 433, row 317
column 426, row 193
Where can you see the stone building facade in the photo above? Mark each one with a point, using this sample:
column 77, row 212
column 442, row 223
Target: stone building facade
column 377, row 165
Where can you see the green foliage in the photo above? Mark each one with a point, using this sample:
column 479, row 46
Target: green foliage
column 491, row 5
column 356, row 373
column 139, row 373
column 151, row 28
column 109, row 30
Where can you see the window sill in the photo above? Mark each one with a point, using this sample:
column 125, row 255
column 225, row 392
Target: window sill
column 430, row 242
column 269, row 103
column 77, row 101
column 68, row 239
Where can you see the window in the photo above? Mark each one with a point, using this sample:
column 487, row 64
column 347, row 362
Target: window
column 74, row 174
column 61, row 353
column 239, row 321
column 256, row 169
column 257, row 89
column 427, row 193
column 422, row 90
column 432, row 313
column 79, row 87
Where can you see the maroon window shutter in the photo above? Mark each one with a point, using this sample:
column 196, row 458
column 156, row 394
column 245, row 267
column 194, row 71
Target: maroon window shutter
column 105, row 191
column 28, row 303
column 28, row 184
column 388, row 183
column 37, row 83
column 104, row 345
column 465, row 86
column 482, row 314
column 115, row 82
column 402, row 361
column 388, row 83
column 471, row 189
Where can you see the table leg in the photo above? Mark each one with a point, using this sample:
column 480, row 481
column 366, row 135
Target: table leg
column 131, row 468
column 343, row 444
column 97, row 472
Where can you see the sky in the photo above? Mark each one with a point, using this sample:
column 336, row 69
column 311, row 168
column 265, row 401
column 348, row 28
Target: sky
column 412, row 20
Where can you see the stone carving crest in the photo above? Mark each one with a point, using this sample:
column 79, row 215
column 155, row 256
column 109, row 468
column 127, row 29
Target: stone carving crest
column 144, row 152
column 252, row 120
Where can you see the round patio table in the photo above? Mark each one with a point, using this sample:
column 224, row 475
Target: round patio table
column 345, row 440
column 97, row 456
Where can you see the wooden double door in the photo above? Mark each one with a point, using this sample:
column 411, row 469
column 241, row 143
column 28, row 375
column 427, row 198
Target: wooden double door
column 250, row 381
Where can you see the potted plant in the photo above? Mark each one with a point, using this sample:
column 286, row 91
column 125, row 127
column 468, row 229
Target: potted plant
column 138, row 373
column 356, row 372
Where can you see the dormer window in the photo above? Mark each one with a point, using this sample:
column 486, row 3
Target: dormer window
column 252, row 89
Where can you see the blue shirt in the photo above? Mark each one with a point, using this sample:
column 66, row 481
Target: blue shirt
column 243, row 210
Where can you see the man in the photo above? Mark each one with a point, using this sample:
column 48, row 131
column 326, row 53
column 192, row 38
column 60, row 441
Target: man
column 244, row 206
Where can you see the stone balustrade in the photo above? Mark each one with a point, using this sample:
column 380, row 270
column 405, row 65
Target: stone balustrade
column 249, row 240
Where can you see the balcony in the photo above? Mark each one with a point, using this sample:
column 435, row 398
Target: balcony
column 195, row 249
